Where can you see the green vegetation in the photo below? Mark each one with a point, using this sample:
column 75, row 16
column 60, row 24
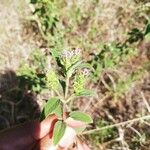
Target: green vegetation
column 76, row 55
column 104, row 135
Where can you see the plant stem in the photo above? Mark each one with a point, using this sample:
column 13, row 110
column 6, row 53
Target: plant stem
column 67, row 87
column 117, row 124
column 70, row 98
column 36, row 19
column 58, row 94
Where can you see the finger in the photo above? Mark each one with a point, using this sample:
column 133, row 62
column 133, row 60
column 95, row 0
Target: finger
column 45, row 144
column 74, row 123
column 26, row 134
column 45, row 127
column 70, row 132
column 68, row 138
column 82, row 146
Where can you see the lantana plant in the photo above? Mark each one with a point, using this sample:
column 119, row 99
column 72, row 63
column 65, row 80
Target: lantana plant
column 67, row 81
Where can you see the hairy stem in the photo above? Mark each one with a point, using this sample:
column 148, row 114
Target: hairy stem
column 67, row 87
column 70, row 98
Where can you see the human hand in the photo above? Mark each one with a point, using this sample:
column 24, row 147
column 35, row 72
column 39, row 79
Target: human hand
column 38, row 136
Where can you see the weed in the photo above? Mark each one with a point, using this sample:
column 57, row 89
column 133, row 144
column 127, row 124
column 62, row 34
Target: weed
column 109, row 58
column 32, row 76
column 104, row 135
column 70, row 66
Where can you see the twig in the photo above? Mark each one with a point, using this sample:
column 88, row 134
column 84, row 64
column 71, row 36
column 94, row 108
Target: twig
column 112, row 80
column 117, row 124
column 145, row 101
column 88, row 104
column 136, row 131
column 120, row 132
column 35, row 19
column 101, row 100
column 147, row 123
column 105, row 84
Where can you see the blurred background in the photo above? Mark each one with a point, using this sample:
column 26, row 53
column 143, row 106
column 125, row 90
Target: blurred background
column 114, row 37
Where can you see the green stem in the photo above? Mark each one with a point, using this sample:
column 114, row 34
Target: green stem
column 59, row 95
column 70, row 98
column 67, row 87
column 36, row 19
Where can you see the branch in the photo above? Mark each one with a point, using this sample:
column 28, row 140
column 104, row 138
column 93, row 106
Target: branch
column 117, row 124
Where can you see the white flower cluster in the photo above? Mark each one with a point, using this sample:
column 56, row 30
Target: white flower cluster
column 69, row 54
column 86, row 72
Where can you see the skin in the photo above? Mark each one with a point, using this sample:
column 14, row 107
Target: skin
column 29, row 136
column 37, row 135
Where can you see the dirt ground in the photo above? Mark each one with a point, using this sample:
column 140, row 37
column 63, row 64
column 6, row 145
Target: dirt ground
column 13, row 42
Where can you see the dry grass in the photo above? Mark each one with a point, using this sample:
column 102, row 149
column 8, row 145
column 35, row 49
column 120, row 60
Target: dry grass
column 14, row 47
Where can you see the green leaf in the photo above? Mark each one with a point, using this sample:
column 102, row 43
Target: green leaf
column 86, row 92
column 33, row 1
column 79, row 130
column 55, row 53
column 109, row 63
column 52, row 80
column 77, row 115
column 147, row 37
column 59, row 110
column 50, row 106
column 147, row 30
column 72, row 68
column 85, row 65
column 79, row 83
column 59, row 130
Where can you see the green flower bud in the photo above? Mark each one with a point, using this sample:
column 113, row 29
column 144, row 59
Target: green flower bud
column 52, row 80
column 79, row 83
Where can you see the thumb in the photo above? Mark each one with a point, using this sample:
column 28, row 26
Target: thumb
column 45, row 127
column 82, row 145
